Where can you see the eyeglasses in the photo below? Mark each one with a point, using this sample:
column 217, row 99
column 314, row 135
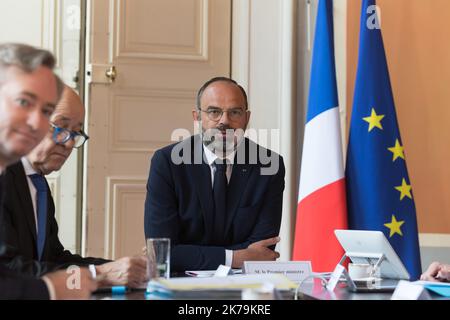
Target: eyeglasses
column 215, row 114
column 61, row 136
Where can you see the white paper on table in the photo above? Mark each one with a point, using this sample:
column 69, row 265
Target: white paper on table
column 207, row 273
column 231, row 282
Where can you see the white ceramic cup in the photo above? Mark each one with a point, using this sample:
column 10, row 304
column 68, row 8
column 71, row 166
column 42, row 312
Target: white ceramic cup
column 359, row 270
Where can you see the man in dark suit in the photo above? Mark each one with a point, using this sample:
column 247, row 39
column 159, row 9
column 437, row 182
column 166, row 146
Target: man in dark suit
column 31, row 230
column 217, row 195
column 29, row 91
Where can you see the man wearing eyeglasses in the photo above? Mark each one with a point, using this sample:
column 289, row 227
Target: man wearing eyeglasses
column 31, row 228
column 29, row 91
column 215, row 195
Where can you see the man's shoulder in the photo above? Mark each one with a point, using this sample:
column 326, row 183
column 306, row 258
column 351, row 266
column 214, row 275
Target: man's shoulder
column 178, row 153
column 251, row 144
column 269, row 162
column 263, row 154
column 14, row 170
column 188, row 142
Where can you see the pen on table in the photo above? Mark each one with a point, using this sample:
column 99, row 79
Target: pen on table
column 114, row 290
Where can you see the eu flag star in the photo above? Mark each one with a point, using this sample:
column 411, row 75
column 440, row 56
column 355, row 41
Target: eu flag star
column 374, row 120
column 405, row 190
column 397, row 151
column 394, row 227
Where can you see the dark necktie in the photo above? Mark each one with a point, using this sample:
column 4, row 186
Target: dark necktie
column 41, row 205
column 220, row 200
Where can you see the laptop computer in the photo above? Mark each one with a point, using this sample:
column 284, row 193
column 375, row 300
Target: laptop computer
column 372, row 247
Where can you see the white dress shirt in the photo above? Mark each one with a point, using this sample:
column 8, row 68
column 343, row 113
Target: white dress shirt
column 210, row 158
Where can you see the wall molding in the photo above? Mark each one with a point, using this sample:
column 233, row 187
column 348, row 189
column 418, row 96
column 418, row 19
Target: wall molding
column 117, row 142
column 52, row 28
column 288, row 132
column 435, row 240
column 117, row 188
column 240, row 52
column 127, row 49
column 340, row 49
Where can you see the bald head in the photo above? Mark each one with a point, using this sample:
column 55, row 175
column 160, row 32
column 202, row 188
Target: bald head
column 69, row 109
column 69, row 114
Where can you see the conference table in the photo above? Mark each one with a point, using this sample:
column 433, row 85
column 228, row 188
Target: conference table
column 308, row 291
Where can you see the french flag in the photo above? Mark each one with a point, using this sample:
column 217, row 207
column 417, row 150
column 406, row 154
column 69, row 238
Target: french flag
column 321, row 200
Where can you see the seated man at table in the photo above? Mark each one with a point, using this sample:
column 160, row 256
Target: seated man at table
column 33, row 246
column 215, row 195
column 29, row 91
column 437, row 272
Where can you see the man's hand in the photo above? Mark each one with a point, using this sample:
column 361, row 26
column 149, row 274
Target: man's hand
column 72, row 285
column 127, row 271
column 257, row 251
column 437, row 272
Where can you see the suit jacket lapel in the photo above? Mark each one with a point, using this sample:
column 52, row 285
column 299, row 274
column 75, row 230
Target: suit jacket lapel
column 236, row 187
column 23, row 190
column 201, row 175
column 237, row 184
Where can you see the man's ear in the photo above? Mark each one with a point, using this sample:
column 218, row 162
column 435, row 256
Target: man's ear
column 196, row 115
column 248, row 116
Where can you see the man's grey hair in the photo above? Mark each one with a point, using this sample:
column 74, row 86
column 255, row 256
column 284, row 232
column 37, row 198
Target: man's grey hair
column 28, row 59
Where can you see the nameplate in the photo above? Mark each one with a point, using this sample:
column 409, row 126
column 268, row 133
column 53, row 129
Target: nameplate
column 293, row 270
column 408, row 291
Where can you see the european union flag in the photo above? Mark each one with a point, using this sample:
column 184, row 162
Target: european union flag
column 379, row 195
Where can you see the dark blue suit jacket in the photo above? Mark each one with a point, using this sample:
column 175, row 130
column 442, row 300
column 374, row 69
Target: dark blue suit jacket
column 180, row 203
column 19, row 231
column 12, row 284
